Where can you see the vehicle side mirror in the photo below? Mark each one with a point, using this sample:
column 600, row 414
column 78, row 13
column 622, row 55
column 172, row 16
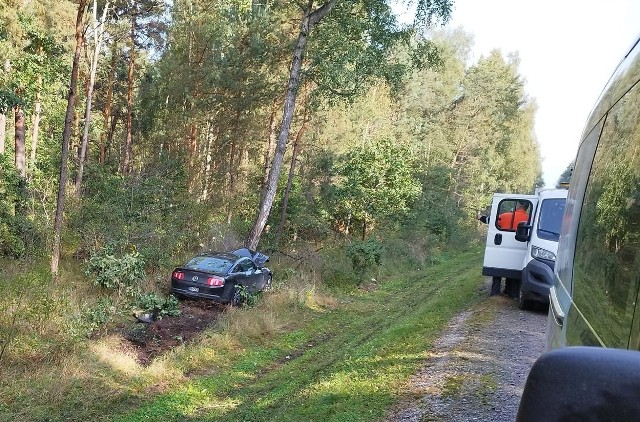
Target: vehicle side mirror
column 582, row 383
column 523, row 232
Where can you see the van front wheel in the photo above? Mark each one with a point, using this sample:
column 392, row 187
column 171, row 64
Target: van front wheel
column 523, row 303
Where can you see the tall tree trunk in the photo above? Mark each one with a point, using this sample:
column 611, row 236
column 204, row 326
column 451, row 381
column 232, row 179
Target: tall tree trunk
column 34, row 134
column 297, row 146
column 106, row 115
column 232, row 181
column 98, row 30
column 3, row 131
column 193, row 156
column 309, row 20
column 128, row 145
column 19, row 140
column 270, row 142
column 75, row 147
column 364, row 229
column 207, row 163
column 212, row 163
column 111, row 132
column 71, row 99
column 232, row 170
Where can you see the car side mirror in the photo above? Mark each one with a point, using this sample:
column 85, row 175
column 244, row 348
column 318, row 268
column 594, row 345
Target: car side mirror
column 523, row 232
column 582, row 383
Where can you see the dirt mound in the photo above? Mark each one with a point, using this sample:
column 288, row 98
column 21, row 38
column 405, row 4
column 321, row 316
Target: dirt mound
column 153, row 339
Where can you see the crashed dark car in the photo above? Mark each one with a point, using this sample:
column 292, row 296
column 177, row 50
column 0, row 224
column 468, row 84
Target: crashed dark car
column 219, row 276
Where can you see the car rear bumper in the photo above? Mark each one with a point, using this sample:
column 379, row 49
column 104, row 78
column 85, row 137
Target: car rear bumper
column 199, row 291
column 537, row 279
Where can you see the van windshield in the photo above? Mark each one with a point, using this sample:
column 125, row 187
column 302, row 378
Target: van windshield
column 550, row 219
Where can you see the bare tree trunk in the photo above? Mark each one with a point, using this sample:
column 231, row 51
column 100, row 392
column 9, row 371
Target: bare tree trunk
column 232, row 180
column 3, row 131
column 74, row 134
column 98, row 30
column 207, row 163
column 71, row 99
column 19, row 140
column 34, row 134
column 297, row 146
column 212, row 162
column 126, row 163
column 233, row 170
column 106, row 115
column 193, row 156
column 309, row 20
column 112, row 131
column 270, row 142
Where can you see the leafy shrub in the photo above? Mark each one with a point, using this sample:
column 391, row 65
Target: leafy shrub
column 118, row 274
column 247, row 298
column 10, row 244
column 92, row 318
column 18, row 235
column 158, row 305
column 365, row 255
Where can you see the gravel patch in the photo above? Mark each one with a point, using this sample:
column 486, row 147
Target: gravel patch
column 477, row 368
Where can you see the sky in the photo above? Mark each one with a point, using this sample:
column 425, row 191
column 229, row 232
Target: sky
column 568, row 49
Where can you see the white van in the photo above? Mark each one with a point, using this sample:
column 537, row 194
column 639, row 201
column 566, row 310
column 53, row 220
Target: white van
column 541, row 238
column 525, row 250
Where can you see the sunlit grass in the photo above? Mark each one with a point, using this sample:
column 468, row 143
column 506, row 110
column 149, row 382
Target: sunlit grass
column 346, row 365
column 109, row 351
column 300, row 354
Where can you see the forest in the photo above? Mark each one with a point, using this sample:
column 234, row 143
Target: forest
column 332, row 135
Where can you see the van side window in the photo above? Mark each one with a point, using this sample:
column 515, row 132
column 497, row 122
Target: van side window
column 571, row 217
column 511, row 212
column 607, row 256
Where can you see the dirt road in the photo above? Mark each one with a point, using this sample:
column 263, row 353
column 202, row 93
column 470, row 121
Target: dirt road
column 478, row 366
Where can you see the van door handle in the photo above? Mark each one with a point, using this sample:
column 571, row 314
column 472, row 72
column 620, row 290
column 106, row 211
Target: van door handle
column 498, row 239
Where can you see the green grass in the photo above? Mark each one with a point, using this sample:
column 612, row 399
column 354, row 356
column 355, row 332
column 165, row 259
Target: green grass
column 298, row 355
column 349, row 364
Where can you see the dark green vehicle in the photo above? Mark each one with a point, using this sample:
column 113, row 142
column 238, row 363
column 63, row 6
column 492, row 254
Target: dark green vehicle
column 592, row 371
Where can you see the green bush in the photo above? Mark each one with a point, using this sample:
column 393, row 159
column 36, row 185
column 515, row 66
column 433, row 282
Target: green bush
column 10, row 244
column 18, row 235
column 365, row 255
column 158, row 305
column 92, row 318
column 247, row 298
column 117, row 274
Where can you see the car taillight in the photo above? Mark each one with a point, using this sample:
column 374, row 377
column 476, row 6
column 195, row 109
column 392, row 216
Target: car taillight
column 215, row 281
column 178, row 275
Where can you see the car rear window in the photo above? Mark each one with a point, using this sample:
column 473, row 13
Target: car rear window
column 210, row 264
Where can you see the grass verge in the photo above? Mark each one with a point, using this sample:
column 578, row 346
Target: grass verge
column 346, row 364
